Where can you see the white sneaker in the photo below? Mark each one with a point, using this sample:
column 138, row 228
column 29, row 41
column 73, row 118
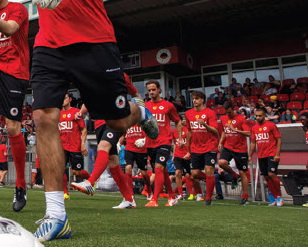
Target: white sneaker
column 199, row 198
column 125, row 204
column 172, row 202
column 84, row 187
column 149, row 197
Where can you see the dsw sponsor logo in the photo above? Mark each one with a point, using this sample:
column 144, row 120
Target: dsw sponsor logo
column 66, row 125
column 196, row 125
column 134, row 130
column 262, row 136
column 160, row 117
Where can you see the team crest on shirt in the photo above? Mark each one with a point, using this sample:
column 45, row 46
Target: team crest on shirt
column 197, row 116
column 161, row 107
column 229, row 121
column 233, row 121
column 260, row 129
column 14, row 111
column 3, row 16
column 264, row 128
column 120, row 102
column 109, row 135
column 203, row 116
column 64, row 115
column 244, row 167
column 69, row 115
column 212, row 161
column 162, row 158
column 154, row 107
column 78, row 166
column 273, row 169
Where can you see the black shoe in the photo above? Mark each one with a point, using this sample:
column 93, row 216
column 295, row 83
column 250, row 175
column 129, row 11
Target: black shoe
column 219, row 197
column 234, row 183
column 20, row 199
column 244, row 202
column 208, row 202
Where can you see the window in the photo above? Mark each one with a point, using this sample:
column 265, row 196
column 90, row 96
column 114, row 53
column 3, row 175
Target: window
column 295, row 72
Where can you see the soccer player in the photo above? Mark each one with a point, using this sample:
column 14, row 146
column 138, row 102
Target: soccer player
column 304, row 120
column 268, row 139
column 159, row 149
column 202, row 141
column 181, row 159
column 73, row 133
column 14, row 76
column 233, row 145
column 76, row 43
column 135, row 151
column 3, row 163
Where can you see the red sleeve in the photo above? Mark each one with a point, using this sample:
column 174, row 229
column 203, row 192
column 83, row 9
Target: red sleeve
column 174, row 116
column 276, row 131
column 187, row 122
column 81, row 123
column 131, row 89
column 252, row 136
column 245, row 126
column 213, row 120
column 19, row 14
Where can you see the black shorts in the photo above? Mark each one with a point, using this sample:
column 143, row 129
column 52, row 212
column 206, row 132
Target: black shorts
column 268, row 165
column 241, row 159
column 4, row 166
column 75, row 159
column 182, row 164
column 94, row 68
column 159, row 155
column 12, row 96
column 198, row 161
column 140, row 158
column 105, row 133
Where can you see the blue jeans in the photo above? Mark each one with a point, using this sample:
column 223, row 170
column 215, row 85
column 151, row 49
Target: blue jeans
column 226, row 177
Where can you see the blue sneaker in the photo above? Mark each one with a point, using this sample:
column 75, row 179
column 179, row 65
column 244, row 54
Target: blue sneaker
column 51, row 228
column 149, row 123
column 279, row 201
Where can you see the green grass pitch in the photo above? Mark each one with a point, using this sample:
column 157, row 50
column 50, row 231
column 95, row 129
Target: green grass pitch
column 225, row 223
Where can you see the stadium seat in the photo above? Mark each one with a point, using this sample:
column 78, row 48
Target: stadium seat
column 302, row 111
column 239, row 100
column 306, row 104
column 210, row 103
column 306, row 96
column 257, row 91
column 284, row 122
column 282, row 97
column 254, row 99
column 219, row 110
column 295, row 113
column 297, row 96
column 266, row 98
column 236, row 108
column 295, row 105
column 302, row 80
column 287, row 82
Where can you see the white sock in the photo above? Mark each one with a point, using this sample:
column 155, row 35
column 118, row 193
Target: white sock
column 55, row 206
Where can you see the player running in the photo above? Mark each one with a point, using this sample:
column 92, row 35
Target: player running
column 268, row 139
column 233, row 145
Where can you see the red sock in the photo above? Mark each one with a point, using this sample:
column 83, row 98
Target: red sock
column 99, row 166
column 175, row 190
column 168, row 185
column 33, row 178
column 234, row 174
column 18, row 147
column 210, row 184
column 183, row 180
column 119, row 177
column 202, row 176
column 65, row 189
column 276, row 182
column 197, row 188
column 84, row 174
column 245, row 196
column 158, row 182
column 271, row 187
column 129, row 181
column 147, row 183
column 190, row 185
column 180, row 190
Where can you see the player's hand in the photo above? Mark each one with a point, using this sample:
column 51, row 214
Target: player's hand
column 201, row 121
column 140, row 142
column 249, row 159
column 181, row 143
column 187, row 156
column 276, row 159
column 78, row 115
column 230, row 126
column 84, row 151
column 50, row 4
column 220, row 146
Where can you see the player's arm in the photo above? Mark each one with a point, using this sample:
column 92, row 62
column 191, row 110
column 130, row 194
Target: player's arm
column 83, row 110
column 9, row 27
column 242, row 132
column 221, row 141
column 208, row 127
column 251, row 149
column 277, row 155
column 84, row 134
column 179, row 127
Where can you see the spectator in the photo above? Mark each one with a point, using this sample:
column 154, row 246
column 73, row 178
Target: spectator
column 270, row 89
column 257, row 83
column 230, row 92
column 233, row 83
column 220, row 100
column 271, row 115
column 260, row 103
column 276, row 105
column 215, row 94
column 288, row 116
column 274, row 82
column 249, row 84
column 239, row 90
column 169, row 98
column 288, row 88
column 146, row 98
column 243, row 111
column 300, row 88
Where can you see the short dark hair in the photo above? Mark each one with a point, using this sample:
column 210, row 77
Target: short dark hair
column 152, row 81
column 228, row 104
column 70, row 95
column 261, row 109
column 198, row 94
